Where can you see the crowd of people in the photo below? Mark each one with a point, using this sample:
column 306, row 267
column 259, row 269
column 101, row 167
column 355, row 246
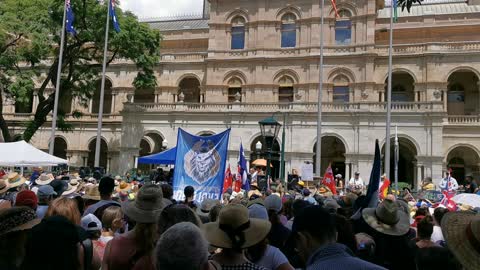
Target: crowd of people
column 104, row 222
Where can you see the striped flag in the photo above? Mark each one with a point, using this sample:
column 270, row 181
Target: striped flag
column 242, row 170
column 334, row 5
column 69, row 18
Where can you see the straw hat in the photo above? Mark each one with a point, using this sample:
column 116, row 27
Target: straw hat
column 234, row 228
column 92, row 193
column 462, row 233
column 387, row 218
column 254, row 192
column 15, row 180
column 17, row 219
column 72, row 187
column 147, row 206
column 44, row 179
column 123, row 187
column 3, row 186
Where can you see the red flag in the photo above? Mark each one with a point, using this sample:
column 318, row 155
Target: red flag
column 329, row 181
column 334, row 5
column 384, row 188
column 227, row 183
column 237, row 184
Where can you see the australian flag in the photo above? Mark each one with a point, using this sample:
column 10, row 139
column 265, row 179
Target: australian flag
column 116, row 26
column 69, row 18
column 242, row 169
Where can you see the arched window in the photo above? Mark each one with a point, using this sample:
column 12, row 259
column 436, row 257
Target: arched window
column 234, row 90
column 190, row 89
column 238, row 33
column 343, row 28
column 289, row 30
column 341, row 89
column 285, row 89
column 399, row 93
column 107, row 98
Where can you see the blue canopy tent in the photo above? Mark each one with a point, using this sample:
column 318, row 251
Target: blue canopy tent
column 165, row 158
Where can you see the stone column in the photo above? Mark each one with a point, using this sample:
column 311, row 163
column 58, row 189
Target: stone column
column 90, row 106
column 419, row 176
column 112, row 109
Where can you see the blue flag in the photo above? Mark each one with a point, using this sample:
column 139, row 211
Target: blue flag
column 116, row 26
column 200, row 162
column 242, row 169
column 69, row 18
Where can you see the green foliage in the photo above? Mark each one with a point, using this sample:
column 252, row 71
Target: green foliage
column 407, row 4
column 29, row 47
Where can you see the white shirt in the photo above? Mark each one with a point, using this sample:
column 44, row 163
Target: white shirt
column 452, row 183
column 437, row 234
column 272, row 258
column 355, row 183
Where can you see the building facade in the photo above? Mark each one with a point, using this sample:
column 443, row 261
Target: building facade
column 244, row 60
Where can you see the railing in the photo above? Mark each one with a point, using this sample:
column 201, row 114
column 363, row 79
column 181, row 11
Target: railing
column 463, row 119
column 405, row 107
column 184, row 57
column 86, row 117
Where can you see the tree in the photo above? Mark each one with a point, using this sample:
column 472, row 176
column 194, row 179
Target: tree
column 30, row 36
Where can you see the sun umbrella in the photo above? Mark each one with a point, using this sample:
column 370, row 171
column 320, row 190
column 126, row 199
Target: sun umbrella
column 261, row 162
column 470, row 199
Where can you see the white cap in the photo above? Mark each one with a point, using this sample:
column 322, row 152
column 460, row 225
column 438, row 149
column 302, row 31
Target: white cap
column 91, row 223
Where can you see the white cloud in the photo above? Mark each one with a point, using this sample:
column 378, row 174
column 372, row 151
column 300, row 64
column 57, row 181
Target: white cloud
column 162, row 8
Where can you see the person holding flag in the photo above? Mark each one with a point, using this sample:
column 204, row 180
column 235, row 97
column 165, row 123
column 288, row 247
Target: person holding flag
column 385, row 184
column 242, row 170
column 449, row 183
column 227, row 183
column 329, row 181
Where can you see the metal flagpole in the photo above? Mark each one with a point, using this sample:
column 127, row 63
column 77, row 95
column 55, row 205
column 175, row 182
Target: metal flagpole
column 389, row 96
column 320, row 94
column 282, row 158
column 57, row 86
column 396, row 152
column 102, row 90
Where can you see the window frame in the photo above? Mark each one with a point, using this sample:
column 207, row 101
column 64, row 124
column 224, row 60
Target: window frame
column 288, row 31
column 238, row 33
column 345, row 18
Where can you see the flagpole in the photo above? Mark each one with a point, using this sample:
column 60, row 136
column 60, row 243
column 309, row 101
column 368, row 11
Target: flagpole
column 57, row 86
column 389, row 95
column 320, row 94
column 102, row 90
column 396, row 152
column 282, row 158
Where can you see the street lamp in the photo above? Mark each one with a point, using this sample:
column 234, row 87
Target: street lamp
column 269, row 127
column 258, row 146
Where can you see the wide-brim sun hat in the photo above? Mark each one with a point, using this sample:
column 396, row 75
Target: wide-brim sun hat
column 15, row 180
column 234, row 225
column 17, row 219
column 92, row 193
column 147, row 205
column 123, row 187
column 44, row 179
column 387, row 219
column 72, row 187
column 205, row 207
column 3, row 186
column 461, row 231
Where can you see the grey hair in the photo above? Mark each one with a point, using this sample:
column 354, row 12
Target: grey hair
column 182, row 246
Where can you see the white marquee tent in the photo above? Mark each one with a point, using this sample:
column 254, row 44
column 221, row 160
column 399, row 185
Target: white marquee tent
column 23, row 154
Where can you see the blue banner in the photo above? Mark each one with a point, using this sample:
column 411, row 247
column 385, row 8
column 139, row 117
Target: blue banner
column 200, row 162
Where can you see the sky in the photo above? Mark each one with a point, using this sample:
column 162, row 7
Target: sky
column 162, row 8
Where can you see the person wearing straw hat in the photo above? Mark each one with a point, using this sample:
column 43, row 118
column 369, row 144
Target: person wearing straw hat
column 44, row 179
column 14, row 223
column 14, row 181
column 390, row 227
column 134, row 249
column 235, row 231
column 72, row 187
column 462, row 233
column 3, row 187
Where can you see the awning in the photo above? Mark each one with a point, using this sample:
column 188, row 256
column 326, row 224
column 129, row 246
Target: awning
column 166, row 158
column 23, row 154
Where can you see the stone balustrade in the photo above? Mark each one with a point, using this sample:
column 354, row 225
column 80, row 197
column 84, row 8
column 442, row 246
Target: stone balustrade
column 463, row 120
column 375, row 107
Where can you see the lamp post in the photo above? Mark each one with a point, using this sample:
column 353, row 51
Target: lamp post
column 269, row 127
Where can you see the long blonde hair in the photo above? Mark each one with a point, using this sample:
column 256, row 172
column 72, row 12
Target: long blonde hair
column 66, row 207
